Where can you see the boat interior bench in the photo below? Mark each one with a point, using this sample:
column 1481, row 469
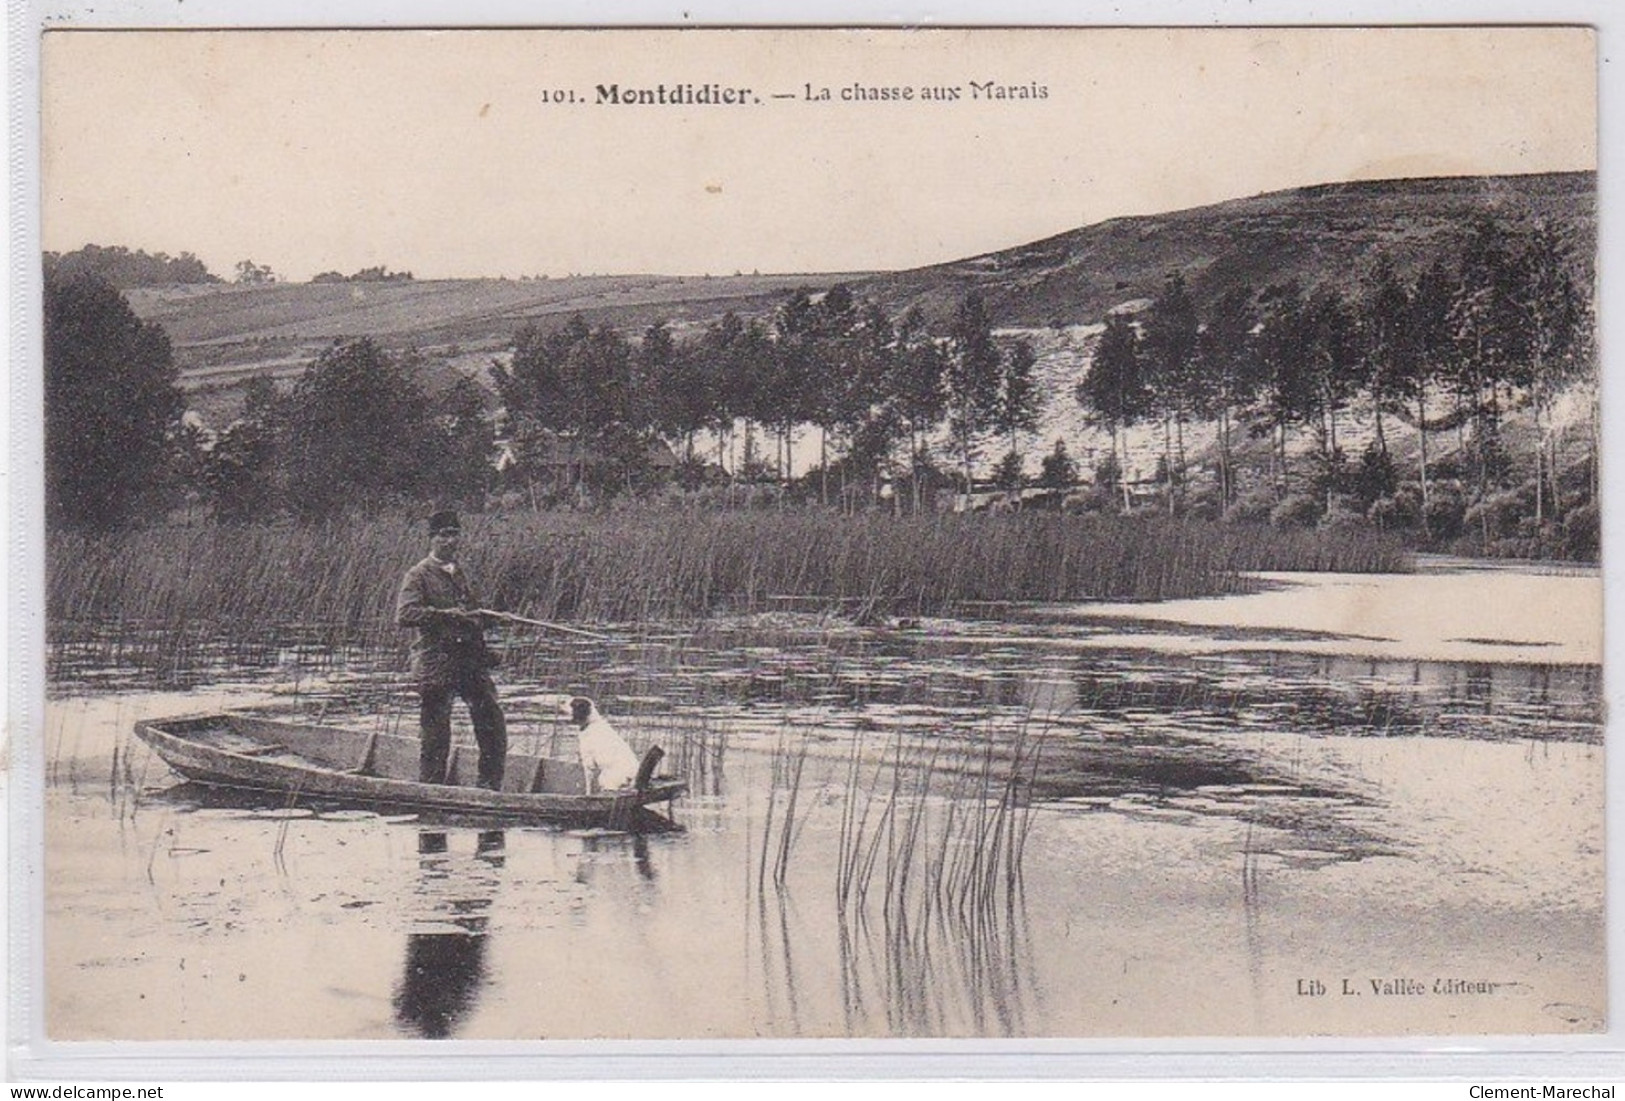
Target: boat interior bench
column 394, row 756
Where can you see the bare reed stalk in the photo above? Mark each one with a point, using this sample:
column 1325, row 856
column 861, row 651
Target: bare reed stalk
column 883, row 827
column 696, row 753
column 790, row 830
column 787, row 768
column 1018, row 852
column 901, row 858
column 137, row 784
column 851, row 878
column 767, row 825
column 844, row 865
column 959, row 837
column 937, row 866
column 963, row 887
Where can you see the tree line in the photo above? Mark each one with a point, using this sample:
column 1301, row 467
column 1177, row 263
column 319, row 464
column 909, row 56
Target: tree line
column 355, row 431
column 1504, row 324
column 376, row 274
column 876, row 389
column 895, row 399
column 359, row 429
column 124, row 267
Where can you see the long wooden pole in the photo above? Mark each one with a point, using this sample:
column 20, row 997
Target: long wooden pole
column 511, row 618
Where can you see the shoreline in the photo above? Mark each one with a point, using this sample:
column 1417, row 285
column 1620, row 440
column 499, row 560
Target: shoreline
column 1483, row 616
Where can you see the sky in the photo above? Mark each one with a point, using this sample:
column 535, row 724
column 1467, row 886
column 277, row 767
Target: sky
column 449, row 153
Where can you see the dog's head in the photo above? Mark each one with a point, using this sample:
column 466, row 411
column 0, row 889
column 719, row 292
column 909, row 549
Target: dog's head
column 581, row 710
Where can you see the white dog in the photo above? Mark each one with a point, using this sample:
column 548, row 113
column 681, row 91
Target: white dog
column 608, row 761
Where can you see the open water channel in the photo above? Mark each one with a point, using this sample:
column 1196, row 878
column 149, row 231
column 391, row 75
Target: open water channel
column 1308, row 810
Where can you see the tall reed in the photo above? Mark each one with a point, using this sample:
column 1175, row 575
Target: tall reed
column 965, row 866
column 788, row 764
column 337, row 578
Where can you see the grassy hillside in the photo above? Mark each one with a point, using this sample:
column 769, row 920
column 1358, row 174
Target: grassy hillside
column 224, row 334
column 1311, row 234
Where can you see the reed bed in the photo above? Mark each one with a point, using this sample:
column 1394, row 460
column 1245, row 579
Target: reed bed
column 928, row 827
column 927, row 885
column 964, row 865
column 332, row 580
column 928, row 873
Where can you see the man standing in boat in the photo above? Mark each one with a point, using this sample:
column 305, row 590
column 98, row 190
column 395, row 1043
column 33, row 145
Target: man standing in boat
column 450, row 658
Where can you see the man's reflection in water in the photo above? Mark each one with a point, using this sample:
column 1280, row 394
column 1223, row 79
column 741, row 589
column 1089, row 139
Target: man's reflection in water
column 445, row 955
column 491, row 847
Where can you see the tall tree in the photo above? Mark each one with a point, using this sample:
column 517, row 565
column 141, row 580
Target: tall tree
column 111, row 401
column 1433, row 334
column 685, row 396
column 749, row 371
column 1015, row 408
column 1171, row 332
column 1388, row 344
column 1226, row 358
column 598, row 383
column 651, row 368
column 972, row 380
column 536, row 381
column 918, row 390
column 718, row 354
column 1287, row 391
column 1491, row 344
column 1550, row 308
column 1113, row 392
column 576, row 389
column 240, row 476
column 832, row 352
column 1333, row 377
column 871, row 423
column 359, row 433
column 470, row 441
column 793, row 389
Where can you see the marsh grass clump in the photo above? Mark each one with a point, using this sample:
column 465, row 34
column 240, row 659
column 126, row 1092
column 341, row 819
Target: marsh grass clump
column 335, row 582
column 936, row 832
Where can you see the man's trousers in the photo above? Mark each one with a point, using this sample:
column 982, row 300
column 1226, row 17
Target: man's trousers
column 476, row 689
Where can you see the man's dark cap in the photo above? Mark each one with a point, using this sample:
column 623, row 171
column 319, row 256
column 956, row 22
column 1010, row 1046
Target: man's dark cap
column 444, row 520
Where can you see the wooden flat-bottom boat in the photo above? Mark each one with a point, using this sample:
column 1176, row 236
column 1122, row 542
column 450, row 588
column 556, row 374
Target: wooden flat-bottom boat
column 369, row 768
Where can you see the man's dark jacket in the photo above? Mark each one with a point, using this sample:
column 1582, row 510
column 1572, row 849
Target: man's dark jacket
column 447, row 647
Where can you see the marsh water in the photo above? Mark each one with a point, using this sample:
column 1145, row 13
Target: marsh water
column 1213, row 818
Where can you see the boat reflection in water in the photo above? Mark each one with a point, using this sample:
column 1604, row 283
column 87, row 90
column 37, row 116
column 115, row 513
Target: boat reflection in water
column 445, row 953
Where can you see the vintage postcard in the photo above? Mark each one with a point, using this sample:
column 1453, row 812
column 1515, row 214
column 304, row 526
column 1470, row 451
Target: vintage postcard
column 777, row 534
